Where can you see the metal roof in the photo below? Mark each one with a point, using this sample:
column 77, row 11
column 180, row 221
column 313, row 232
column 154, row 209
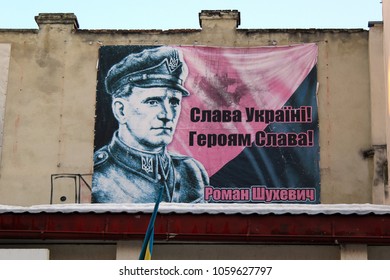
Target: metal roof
column 206, row 208
column 232, row 223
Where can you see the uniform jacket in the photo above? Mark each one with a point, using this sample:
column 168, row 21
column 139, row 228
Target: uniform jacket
column 127, row 175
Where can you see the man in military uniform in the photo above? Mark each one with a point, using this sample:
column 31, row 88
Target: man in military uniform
column 147, row 90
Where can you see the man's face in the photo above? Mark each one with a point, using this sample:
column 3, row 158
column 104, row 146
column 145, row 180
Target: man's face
column 149, row 117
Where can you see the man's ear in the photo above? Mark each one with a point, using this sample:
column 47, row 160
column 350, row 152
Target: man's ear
column 118, row 108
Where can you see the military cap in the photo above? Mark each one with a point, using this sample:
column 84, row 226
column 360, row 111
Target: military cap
column 153, row 67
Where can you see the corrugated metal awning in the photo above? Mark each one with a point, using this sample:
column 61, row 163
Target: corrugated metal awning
column 260, row 223
column 206, row 208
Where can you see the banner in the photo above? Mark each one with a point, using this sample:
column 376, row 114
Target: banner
column 208, row 124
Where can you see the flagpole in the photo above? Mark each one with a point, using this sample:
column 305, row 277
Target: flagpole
column 147, row 246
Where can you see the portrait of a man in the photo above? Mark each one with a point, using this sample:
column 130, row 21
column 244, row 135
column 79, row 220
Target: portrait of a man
column 146, row 90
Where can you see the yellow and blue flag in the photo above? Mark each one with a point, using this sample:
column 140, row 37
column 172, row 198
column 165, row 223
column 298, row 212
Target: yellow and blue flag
column 147, row 246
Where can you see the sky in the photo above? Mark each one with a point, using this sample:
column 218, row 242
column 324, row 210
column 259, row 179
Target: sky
column 181, row 14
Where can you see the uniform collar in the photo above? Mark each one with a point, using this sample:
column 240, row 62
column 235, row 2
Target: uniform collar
column 153, row 166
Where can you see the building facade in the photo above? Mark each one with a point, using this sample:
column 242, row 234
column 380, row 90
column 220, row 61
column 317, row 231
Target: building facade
column 48, row 106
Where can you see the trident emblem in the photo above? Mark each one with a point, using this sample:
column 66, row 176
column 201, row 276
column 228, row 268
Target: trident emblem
column 173, row 63
column 147, row 164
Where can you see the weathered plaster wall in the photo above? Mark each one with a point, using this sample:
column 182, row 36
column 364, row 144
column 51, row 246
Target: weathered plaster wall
column 50, row 105
column 386, row 70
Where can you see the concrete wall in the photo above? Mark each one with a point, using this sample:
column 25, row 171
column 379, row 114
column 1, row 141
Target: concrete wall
column 386, row 71
column 164, row 251
column 50, row 100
